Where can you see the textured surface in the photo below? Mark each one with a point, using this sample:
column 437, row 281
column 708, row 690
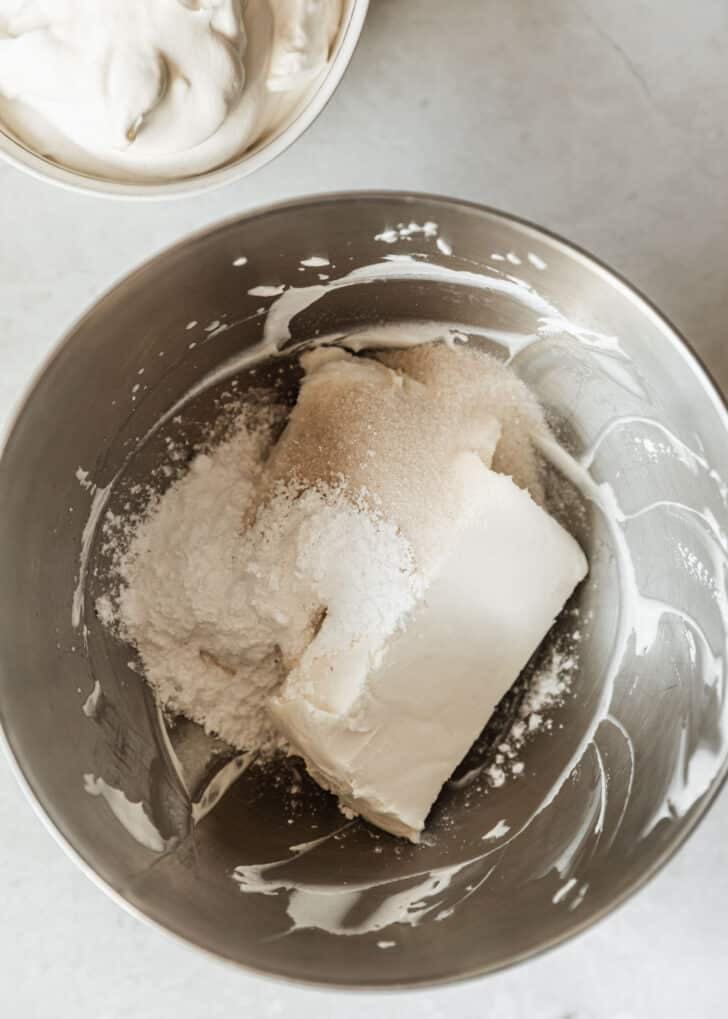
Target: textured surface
column 604, row 125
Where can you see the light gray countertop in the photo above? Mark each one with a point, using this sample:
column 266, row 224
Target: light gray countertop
column 604, row 122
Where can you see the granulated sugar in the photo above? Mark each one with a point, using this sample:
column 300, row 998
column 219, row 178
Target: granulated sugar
column 406, row 428
column 471, row 385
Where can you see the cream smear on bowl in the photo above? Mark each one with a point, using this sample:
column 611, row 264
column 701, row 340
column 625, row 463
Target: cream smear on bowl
column 157, row 89
column 434, row 894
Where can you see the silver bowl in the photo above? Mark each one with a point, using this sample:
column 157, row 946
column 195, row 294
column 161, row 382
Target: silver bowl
column 21, row 155
column 274, row 879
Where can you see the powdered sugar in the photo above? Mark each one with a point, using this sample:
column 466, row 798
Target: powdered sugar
column 220, row 612
column 546, row 689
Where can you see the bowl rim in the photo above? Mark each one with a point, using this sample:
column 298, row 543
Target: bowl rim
column 673, row 335
column 22, row 157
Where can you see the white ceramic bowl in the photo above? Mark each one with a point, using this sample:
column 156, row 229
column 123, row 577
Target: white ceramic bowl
column 26, row 159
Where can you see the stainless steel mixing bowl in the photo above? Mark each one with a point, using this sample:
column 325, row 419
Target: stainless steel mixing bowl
column 20, row 154
column 633, row 757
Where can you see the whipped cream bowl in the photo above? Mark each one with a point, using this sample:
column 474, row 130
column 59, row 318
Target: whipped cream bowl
column 258, row 865
column 166, row 99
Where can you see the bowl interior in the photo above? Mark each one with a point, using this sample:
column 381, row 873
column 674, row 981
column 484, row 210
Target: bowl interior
column 274, row 877
column 21, row 154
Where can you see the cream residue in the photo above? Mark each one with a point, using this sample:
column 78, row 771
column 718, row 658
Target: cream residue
column 131, row 816
column 315, row 262
column 96, row 512
column 151, row 89
column 497, row 832
column 330, row 907
column 265, row 290
column 90, row 705
column 403, row 231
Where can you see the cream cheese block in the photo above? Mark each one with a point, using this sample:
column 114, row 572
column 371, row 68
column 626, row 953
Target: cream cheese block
column 386, row 743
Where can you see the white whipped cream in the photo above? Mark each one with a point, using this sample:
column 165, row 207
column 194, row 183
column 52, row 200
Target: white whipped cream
column 150, row 89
